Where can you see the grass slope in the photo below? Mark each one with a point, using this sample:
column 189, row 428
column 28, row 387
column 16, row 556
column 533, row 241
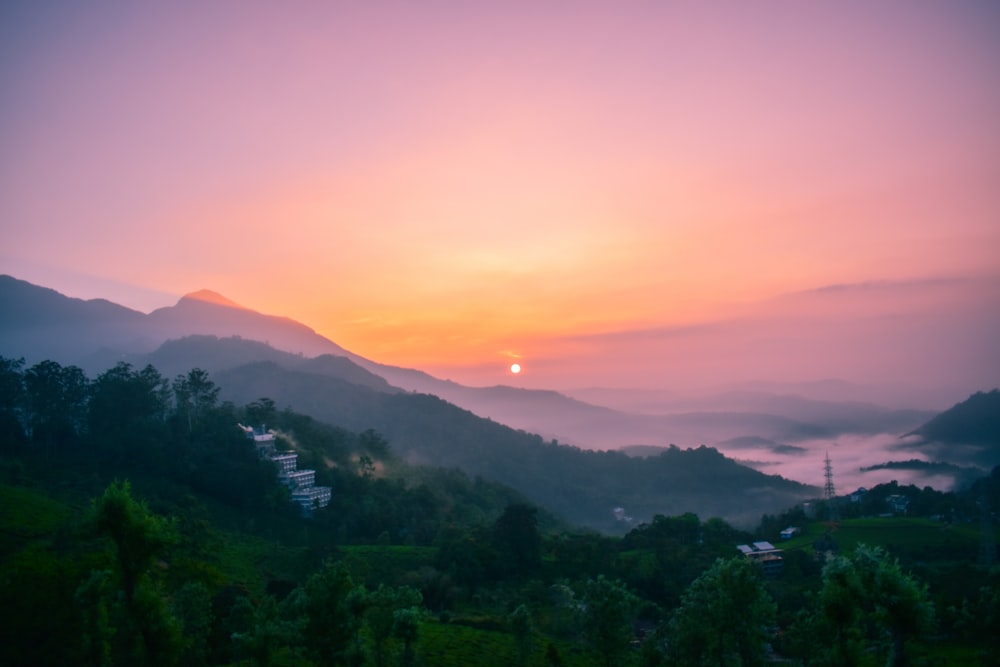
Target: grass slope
column 896, row 534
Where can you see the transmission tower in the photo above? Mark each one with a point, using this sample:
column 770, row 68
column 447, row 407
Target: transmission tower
column 829, row 493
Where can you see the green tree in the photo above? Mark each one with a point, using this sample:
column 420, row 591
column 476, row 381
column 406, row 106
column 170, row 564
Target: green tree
column 239, row 626
column 366, row 467
column 195, row 395
column 41, row 624
column 383, row 603
column 332, row 621
column 140, row 538
column 406, row 628
column 261, row 412
column 260, row 630
column 93, row 598
column 517, row 540
column 978, row 618
column 372, row 442
column 357, row 605
column 839, row 605
column 13, row 401
column 128, row 408
column 57, row 400
column 867, row 602
column 901, row 604
column 607, row 613
column 467, row 556
column 520, row 623
column 723, row 617
column 292, row 620
column 191, row 605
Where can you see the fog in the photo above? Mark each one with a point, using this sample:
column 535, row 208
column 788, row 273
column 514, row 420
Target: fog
column 848, row 455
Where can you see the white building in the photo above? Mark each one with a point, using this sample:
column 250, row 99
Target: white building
column 302, row 483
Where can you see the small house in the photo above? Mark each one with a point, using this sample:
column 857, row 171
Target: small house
column 765, row 554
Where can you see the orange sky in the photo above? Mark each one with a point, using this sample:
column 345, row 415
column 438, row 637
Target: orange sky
column 452, row 186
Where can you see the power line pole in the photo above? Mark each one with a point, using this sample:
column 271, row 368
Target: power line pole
column 829, row 493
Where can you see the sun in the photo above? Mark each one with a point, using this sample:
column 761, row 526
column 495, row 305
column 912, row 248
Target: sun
column 515, row 368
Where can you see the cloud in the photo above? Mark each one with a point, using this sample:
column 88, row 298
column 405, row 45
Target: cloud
column 936, row 335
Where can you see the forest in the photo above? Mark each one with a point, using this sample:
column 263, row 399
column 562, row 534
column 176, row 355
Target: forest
column 139, row 526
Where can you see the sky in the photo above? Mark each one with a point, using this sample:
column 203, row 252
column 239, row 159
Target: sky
column 635, row 194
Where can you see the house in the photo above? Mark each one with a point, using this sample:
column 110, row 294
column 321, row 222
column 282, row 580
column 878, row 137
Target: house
column 898, row 503
column 302, row 483
column 790, row 532
column 766, row 555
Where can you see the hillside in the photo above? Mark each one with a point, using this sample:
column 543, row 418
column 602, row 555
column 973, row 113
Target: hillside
column 583, row 486
column 969, row 430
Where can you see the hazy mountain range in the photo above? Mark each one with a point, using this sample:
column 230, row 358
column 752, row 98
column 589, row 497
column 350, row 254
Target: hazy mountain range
column 252, row 355
column 42, row 323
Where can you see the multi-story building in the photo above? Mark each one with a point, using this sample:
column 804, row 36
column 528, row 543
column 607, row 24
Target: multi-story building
column 302, row 483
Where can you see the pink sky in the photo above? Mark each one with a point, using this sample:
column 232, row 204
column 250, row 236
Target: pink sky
column 630, row 194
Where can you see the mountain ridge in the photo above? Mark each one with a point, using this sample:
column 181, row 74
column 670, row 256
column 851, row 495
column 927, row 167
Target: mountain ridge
column 972, row 425
column 98, row 340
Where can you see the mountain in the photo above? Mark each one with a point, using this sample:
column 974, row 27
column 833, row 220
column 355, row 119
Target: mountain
column 614, row 418
column 38, row 321
column 216, row 355
column 967, row 432
column 208, row 313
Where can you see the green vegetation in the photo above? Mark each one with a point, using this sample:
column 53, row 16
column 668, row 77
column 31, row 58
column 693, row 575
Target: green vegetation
column 724, row 617
column 139, row 527
column 911, row 535
column 27, row 514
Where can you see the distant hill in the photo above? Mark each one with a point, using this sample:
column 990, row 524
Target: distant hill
column 216, row 354
column 718, row 419
column 582, row 486
column 968, row 431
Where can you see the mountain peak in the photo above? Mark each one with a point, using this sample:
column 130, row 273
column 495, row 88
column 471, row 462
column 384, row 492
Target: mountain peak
column 208, row 296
